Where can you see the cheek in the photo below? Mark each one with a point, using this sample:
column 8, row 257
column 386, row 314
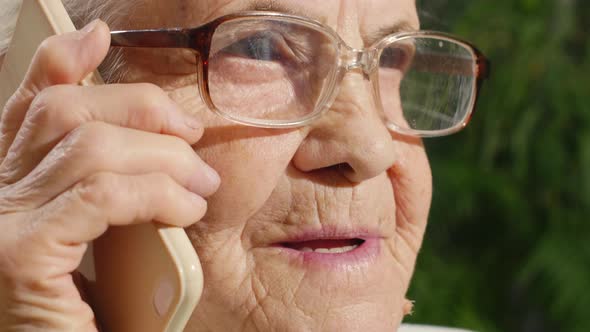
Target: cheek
column 414, row 179
column 412, row 183
column 250, row 162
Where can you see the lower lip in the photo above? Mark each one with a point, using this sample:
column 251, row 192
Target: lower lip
column 364, row 254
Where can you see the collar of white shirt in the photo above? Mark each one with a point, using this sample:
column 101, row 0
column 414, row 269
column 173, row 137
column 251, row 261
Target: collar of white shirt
column 427, row 328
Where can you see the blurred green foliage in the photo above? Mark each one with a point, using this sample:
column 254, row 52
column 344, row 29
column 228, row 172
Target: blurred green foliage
column 508, row 244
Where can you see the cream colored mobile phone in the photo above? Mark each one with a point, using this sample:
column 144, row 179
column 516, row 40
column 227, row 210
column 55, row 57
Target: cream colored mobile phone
column 141, row 278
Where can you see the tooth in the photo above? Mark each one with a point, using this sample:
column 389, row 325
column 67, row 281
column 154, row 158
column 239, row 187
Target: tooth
column 352, row 247
column 344, row 249
column 337, row 250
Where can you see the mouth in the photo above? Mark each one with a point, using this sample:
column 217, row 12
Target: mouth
column 320, row 250
column 325, row 246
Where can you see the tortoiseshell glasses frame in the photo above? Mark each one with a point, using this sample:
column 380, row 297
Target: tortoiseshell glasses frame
column 199, row 40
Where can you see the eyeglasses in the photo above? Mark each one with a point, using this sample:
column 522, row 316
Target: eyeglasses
column 274, row 70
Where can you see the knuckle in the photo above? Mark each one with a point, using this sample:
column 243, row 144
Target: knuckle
column 50, row 107
column 183, row 149
column 98, row 190
column 186, row 147
column 149, row 89
column 160, row 180
column 151, row 102
column 178, row 144
column 90, row 134
column 152, row 96
column 43, row 99
column 88, row 143
column 50, row 56
column 48, row 49
column 167, row 187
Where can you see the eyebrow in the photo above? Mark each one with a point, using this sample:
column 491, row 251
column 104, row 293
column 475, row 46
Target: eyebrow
column 274, row 6
column 369, row 39
column 397, row 27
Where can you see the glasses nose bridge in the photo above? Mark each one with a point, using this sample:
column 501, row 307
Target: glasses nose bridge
column 362, row 59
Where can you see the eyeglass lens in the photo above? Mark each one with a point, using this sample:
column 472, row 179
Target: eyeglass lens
column 262, row 70
column 269, row 69
column 427, row 83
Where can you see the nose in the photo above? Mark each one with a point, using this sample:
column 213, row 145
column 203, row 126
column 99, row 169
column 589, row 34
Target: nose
column 351, row 136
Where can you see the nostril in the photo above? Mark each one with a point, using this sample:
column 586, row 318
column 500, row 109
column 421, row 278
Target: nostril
column 344, row 168
column 340, row 168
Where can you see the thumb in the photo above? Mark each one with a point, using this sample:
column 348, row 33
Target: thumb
column 62, row 59
column 68, row 58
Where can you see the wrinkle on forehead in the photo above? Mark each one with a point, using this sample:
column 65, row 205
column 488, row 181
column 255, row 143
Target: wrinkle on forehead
column 326, row 11
column 354, row 20
column 195, row 12
column 307, row 9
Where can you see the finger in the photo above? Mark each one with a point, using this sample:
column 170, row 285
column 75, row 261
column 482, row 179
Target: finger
column 49, row 242
column 59, row 109
column 84, row 212
column 62, row 59
column 99, row 147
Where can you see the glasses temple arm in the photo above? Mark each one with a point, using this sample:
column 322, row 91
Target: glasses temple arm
column 166, row 38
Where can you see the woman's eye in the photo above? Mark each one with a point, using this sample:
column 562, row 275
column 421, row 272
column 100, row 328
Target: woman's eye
column 261, row 46
column 395, row 57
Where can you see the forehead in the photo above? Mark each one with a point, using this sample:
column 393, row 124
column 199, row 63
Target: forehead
column 344, row 16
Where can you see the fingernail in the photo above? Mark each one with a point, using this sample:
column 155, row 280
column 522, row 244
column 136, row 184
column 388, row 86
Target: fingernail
column 180, row 120
column 205, row 183
column 89, row 27
column 212, row 178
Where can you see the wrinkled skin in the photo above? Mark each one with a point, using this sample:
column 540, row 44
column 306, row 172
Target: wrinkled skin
column 343, row 173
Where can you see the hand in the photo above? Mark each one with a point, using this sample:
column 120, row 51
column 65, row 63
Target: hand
column 75, row 160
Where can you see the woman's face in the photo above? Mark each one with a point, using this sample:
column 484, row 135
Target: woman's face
column 314, row 228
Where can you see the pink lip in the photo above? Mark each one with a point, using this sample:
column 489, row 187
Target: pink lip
column 364, row 254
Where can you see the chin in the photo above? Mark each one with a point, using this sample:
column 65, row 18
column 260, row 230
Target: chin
column 281, row 288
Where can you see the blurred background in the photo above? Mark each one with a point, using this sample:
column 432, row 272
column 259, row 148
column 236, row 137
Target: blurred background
column 508, row 244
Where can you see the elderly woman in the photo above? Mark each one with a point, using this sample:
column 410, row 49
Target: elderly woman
column 298, row 171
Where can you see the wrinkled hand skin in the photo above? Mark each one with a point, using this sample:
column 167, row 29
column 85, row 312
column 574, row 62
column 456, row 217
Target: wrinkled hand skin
column 76, row 160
